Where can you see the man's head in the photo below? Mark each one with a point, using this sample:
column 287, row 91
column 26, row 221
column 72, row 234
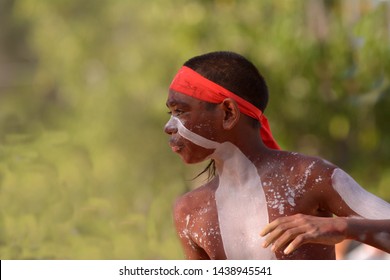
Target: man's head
column 233, row 72
column 208, row 95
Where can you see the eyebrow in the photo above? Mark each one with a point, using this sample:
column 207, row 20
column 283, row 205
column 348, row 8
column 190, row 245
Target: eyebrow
column 175, row 103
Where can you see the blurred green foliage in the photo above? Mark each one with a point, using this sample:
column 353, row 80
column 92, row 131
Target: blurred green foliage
column 85, row 169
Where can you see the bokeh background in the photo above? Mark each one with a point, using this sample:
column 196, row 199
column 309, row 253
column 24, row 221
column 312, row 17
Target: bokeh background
column 85, row 169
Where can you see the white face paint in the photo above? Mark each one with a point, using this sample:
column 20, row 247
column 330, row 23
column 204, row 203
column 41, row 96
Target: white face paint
column 358, row 199
column 240, row 199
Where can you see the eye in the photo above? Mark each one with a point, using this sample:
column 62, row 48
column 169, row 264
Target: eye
column 175, row 112
column 178, row 112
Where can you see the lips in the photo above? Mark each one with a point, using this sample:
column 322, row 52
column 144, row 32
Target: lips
column 176, row 147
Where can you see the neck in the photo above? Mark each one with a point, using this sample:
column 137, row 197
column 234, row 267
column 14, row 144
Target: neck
column 251, row 145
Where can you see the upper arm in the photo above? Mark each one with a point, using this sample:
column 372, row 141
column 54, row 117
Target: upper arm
column 359, row 200
column 320, row 184
column 341, row 195
column 184, row 228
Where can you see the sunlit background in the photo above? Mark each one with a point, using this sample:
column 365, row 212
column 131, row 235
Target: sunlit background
column 85, row 169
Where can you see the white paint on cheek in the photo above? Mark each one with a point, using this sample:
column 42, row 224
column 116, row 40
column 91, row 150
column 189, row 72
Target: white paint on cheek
column 358, row 199
column 189, row 135
column 240, row 199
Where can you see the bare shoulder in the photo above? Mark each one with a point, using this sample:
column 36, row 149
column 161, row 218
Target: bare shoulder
column 191, row 202
column 196, row 221
column 297, row 183
column 312, row 171
column 302, row 159
column 286, row 163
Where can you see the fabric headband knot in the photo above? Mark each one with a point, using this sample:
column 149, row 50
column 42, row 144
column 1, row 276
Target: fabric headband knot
column 191, row 83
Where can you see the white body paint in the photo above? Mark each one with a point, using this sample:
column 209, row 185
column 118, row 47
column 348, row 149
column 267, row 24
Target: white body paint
column 362, row 202
column 240, row 199
column 358, row 199
column 242, row 206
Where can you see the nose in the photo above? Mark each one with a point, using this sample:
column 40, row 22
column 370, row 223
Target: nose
column 170, row 127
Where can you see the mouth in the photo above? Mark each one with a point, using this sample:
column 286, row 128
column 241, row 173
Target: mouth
column 175, row 147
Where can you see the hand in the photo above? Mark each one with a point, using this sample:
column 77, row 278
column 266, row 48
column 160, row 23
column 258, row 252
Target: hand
column 294, row 231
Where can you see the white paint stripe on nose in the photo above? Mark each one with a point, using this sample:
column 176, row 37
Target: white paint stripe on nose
column 193, row 137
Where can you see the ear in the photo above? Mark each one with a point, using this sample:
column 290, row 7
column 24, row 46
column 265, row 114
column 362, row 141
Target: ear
column 231, row 113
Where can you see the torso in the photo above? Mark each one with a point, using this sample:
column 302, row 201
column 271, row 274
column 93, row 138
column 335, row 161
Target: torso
column 297, row 190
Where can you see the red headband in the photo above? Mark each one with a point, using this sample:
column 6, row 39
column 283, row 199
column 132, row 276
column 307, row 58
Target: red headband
column 191, row 83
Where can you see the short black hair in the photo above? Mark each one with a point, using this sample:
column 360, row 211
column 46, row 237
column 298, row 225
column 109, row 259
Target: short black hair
column 233, row 72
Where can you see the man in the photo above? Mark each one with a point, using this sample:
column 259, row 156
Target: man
column 263, row 203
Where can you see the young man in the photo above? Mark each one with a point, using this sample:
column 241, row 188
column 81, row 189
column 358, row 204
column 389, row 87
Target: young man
column 263, row 203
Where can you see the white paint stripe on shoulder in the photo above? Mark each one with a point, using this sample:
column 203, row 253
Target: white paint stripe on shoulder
column 358, row 199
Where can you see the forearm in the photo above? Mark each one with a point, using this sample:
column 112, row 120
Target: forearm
column 372, row 232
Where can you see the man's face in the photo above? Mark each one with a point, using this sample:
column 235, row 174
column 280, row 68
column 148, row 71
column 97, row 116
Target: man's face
column 197, row 116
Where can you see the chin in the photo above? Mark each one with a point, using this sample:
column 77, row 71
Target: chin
column 191, row 155
column 193, row 159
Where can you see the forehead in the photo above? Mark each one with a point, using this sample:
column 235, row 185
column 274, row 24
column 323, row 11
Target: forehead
column 177, row 98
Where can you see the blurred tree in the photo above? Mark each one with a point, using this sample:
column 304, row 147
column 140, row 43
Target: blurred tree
column 85, row 170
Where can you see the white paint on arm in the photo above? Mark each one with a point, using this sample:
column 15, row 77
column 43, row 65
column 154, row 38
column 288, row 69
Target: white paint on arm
column 362, row 202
